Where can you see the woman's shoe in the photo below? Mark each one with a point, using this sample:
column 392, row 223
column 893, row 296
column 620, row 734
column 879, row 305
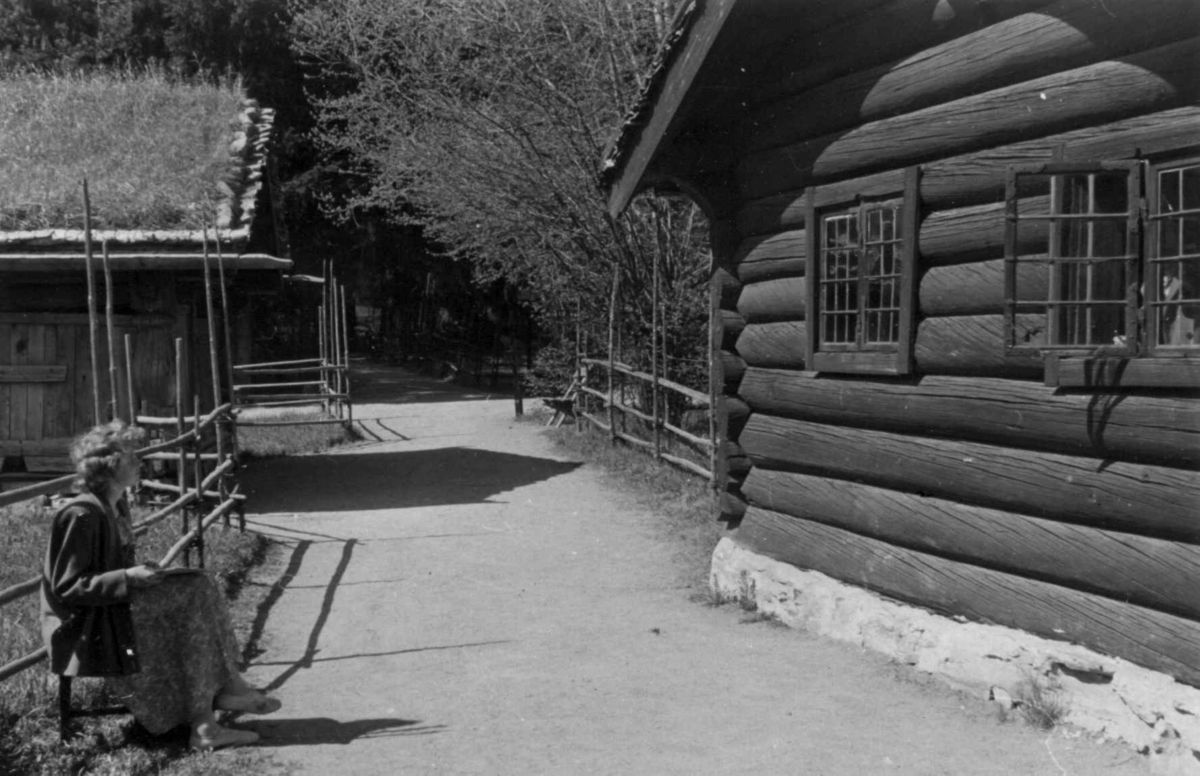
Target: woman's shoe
column 250, row 703
column 222, row 737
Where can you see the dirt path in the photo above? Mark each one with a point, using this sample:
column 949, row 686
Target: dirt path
column 462, row 599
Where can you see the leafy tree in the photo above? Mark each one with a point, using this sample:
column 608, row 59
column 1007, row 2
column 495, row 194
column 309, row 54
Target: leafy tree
column 483, row 122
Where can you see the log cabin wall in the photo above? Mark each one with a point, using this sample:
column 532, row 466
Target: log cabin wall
column 968, row 486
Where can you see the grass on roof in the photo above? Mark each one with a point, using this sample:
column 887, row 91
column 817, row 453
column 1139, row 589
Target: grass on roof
column 153, row 147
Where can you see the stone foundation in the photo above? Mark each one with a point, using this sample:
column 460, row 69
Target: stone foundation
column 1107, row 696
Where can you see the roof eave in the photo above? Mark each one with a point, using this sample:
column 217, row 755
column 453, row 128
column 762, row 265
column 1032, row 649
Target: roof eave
column 661, row 110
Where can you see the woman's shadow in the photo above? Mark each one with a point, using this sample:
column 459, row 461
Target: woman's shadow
column 311, row 731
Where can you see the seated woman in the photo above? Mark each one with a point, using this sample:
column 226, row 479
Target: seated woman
column 163, row 642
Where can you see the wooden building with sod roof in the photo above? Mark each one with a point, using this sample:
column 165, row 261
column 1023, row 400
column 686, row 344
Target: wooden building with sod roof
column 956, row 318
column 174, row 170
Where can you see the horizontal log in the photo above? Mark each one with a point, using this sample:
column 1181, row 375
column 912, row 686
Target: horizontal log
column 976, row 233
column 698, row 442
column 1064, row 36
column 1100, row 93
column 978, row 289
column 261, row 386
column 730, row 508
column 772, row 256
column 773, row 345
column 978, row 177
column 974, row 345
column 781, row 299
column 737, row 412
column 1150, row 428
column 1135, row 498
column 726, row 287
column 732, row 324
column 1149, row 572
column 895, row 30
column 1156, row 640
column 737, row 463
column 732, row 369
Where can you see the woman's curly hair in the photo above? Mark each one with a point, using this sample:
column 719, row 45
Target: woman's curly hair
column 97, row 453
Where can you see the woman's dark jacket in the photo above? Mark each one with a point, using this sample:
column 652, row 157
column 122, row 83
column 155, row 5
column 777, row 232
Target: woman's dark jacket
column 86, row 622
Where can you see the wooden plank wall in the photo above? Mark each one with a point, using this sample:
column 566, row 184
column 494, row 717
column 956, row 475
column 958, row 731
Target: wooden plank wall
column 970, row 488
column 50, row 412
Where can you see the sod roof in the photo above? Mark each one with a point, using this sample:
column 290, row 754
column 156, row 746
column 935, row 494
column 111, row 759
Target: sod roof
column 163, row 158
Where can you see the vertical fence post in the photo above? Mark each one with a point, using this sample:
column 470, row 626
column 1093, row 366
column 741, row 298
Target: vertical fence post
column 129, row 377
column 198, row 479
column 335, row 331
column 581, row 401
column 181, row 467
column 654, row 394
column 91, row 293
column 346, row 357
column 612, row 333
column 113, row 382
column 323, row 356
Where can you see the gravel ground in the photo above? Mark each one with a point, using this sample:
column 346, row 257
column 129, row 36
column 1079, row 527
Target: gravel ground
column 455, row 596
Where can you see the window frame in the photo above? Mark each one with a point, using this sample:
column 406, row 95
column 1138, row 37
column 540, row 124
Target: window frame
column 862, row 357
column 1153, row 222
column 1014, row 306
column 1138, row 363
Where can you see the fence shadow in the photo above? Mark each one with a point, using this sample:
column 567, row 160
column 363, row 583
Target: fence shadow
column 391, row 480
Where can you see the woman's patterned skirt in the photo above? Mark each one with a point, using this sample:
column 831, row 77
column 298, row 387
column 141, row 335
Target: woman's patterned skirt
column 187, row 649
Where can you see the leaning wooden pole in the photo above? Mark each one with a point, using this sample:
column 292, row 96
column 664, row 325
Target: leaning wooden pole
column 215, row 366
column 113, row 382
column 129, row 378
column 612, row 352
column 228, row 345
column 346, row 357
column 91, row 292
column 181, row 469
column 198, row 478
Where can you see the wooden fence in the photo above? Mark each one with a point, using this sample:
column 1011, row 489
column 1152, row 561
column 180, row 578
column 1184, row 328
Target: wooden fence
column 617, row 407
column 324, row 380
column 192, row 489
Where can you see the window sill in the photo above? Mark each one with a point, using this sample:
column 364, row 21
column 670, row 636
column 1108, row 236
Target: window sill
column 859, row 363
column 1115, row 372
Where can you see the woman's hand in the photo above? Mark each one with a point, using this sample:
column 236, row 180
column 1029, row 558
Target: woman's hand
column 144, row 575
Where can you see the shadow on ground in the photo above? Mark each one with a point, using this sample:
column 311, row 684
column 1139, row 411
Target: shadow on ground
column 391, row 480
column 312, row 731
column 375, row 383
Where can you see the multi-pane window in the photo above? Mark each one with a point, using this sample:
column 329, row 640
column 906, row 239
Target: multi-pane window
column 1173, row 295
column 861, row 257
column 1120, row 243
column 861, row 270
column 1084, row 224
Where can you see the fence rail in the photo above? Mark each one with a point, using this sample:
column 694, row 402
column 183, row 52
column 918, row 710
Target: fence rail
column 614, row 403
column 331, row 369
column 210, row 486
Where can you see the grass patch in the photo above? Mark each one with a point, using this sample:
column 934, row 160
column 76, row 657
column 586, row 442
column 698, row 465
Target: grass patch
column 272, row 441
column 683, row 500
column 108, row 745
column 1041, row 704
column 153, row 146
